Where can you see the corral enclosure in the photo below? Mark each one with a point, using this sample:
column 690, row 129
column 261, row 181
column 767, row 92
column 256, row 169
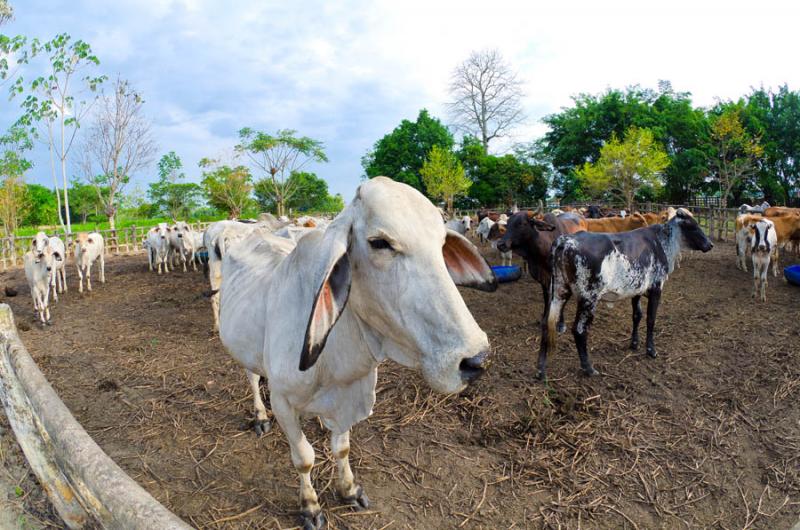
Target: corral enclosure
column 705, row 435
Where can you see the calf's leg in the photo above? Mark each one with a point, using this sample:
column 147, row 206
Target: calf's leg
column 580, row 330
column 653, row 298
column 102, row 268
column 348, row 490
column 89, row 276
column 80, row 278
column 261, row 425
column 303, row 460
column 637, row 317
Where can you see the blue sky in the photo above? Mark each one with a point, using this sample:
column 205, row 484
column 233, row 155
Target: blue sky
column 347, row 72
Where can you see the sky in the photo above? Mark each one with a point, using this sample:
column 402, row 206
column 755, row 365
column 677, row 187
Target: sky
column 347, row 72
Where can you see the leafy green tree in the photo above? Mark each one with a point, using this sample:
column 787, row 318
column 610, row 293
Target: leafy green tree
column 311, row 195
column 228, row 188
column 13, row 165
column 279, row 157
column 170, row 195
column 85, row 200
column 444, row 176
column 57, row 99
column 625, row 166
column 736, row 153
column 774, row 117
column 43, row 206
column 401, row 153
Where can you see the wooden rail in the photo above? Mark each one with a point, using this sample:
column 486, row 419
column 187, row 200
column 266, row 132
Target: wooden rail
column 86, row 487
column 122, row 241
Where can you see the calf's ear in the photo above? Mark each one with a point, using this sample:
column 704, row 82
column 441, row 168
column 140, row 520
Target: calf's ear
column 465, row 264
column 57, row 255
column 331, row 293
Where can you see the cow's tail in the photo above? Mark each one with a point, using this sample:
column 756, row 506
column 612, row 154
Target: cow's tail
column 553, row 309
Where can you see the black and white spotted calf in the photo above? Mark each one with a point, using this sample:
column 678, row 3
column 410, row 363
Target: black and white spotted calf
column 610, row 267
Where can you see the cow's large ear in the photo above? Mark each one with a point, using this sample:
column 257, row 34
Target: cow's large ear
column 330, row 299
column 465, row 264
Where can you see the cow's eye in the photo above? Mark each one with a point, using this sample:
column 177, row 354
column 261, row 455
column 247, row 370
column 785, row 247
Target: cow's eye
column 380, row 244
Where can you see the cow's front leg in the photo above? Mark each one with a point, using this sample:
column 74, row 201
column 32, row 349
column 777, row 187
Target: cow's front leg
column 54, row 284
column 261, row 425
column 653, row 298
column 637, row 317
column 580, row 330
column 311, row 517
column 102, row 268
column 348, row 490
column 80, row 279
column 89, row 277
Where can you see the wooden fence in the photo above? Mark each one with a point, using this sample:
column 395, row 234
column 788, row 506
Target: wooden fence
column 121, row 241
column 717, row 223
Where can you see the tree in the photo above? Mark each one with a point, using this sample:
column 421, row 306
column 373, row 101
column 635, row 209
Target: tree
column 171, row 196
column 626, row 166
column 486, row 97
column 119, row 144
column 444, row 176
column 228, row 188
column 56, row 100
column 401, row 153
column 85, row 200
column 13, row 165
column 42, row 209
column 6, row 12
column 278, row 157
column 311, row 196
column 735, row 152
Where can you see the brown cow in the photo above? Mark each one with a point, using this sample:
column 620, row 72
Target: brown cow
column 787, row 228
column 778, row 211
column 616, row 224
column 661, row 217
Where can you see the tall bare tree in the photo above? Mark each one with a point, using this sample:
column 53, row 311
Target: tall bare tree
column 486, row 97
column 118, row 144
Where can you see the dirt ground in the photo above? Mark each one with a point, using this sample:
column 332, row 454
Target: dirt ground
column 706, row 435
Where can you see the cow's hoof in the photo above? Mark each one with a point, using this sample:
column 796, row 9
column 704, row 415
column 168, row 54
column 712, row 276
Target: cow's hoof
column 590, row 372
column 634, row 345
column 562, row 327
column 309, row 521
column 651, row 352
column 262, row 427
column 541, row 375
column 359, row 501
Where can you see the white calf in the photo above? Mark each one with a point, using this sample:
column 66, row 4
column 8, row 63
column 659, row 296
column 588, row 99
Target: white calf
column 58, row 278
column 181, row 243
column 461, row 226
column 484, row 227
column 764, row 245
column 38, row 269
column 158, row 247
column 88, row 249
column 318, row 317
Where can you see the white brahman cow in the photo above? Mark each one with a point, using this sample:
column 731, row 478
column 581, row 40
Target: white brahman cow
column 157, row 244
column 88, row 249
column 461, row 226
column 181, row 243
column 58, row 278
column 38, row 269
column 317, row 317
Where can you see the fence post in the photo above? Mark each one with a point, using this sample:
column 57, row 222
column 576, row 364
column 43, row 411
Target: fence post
column 134, row 238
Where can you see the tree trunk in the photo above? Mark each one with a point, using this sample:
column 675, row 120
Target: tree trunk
column 111, row 223
column 64, row 175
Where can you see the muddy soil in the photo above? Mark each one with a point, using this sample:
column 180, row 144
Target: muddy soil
column 705, row 435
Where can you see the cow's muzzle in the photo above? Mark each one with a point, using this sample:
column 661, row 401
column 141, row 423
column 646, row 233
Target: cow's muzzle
column 472, row 367
column 502, row 246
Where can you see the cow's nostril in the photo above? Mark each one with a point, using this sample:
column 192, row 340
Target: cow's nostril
column 472, row 367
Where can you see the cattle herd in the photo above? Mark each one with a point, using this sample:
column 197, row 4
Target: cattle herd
column 315, row 305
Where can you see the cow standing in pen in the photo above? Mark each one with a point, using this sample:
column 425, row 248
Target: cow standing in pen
column 317, row 317
column 612, row 267
column 181, row 244
column 58, row 277
column 38, row 270
column 157, row 244
column 764, row 245
column 88, row 249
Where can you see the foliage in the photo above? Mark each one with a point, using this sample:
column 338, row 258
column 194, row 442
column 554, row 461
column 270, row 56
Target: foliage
column 625, row 167
column 279, row 157
column 401, row 153
column 487, row 97
column 42, row 210
column 228, row 188
column 736, row 152
column 172, row 197
column 56, row 98
column 85, row 200
column 119, row 143
column 311, row 195
column 444, row 176
column 13, row 165
column 518, row 178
